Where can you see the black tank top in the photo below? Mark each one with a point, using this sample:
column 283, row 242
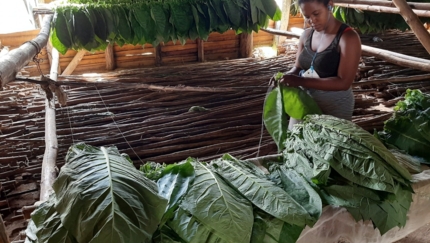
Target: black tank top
column 326, row 62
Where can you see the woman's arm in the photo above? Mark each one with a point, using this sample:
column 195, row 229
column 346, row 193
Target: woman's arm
column 296, row 69
column 350, row 52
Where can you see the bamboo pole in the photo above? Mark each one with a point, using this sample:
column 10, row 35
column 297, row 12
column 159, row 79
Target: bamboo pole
column 396, row 58
column 414, row 22
column 4, row 238
column 74, row 63
column 49, row 48
column 16, row 59
column 414, row 5
column 49, row 172
column 382, row 9
column 281, row 32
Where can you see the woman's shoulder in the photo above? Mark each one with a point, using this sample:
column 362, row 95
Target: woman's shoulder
column 349, row 35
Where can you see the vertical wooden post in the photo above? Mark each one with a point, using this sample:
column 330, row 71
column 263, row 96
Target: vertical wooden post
column 50, row 53
column 110, row 58
column 286, row 4
column 200, row 50
column 4, row 238
column 414, row 22
column 49, row 172
column 246, row 45
column 158, row 58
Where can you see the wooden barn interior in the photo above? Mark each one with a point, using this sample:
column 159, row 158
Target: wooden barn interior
column 166, row 103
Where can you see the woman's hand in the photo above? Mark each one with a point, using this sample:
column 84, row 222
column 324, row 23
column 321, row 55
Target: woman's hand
column 290, row 80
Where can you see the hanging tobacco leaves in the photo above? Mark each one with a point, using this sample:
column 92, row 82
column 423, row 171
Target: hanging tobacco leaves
column 91, row 25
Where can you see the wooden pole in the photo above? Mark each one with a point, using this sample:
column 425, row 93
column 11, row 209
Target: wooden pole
column 4, row 238
column 396, row 58
column 381, row 9
column 246, row 45
column 49, row 172
column 110, row 58
column 285, row 19
column 16, row 59
column 414, row 22
column 49, row 48
column 74, row 63
column 281, row 32
column 414, row 5
column 200, row 50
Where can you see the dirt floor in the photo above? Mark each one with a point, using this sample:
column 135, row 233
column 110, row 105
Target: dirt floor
column 421, row 235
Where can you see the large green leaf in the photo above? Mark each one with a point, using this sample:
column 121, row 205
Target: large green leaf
column 297, row 103
column 111, row 200
column 111, row 21
column 409, row 131
column 268, row 229
column 100, row 28
column 124, row 26
column 262, row 192
column 275, row 119
column 142, row 13
column 173, row 184
column 233, row 12
column 45, row 225
column 385, row 210
column 191, row 230
column 83, row 28
column 300, row 190
column 61, row 29
column 210, row 198
column 181, row 17
column 349, row 131
column 57, row 43
column 161, row 17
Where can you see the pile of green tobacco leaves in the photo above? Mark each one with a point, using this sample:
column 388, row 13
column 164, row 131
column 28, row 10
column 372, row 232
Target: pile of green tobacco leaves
column 100, row 197
column 409, row 128
column 93, row 25
column 349, row 167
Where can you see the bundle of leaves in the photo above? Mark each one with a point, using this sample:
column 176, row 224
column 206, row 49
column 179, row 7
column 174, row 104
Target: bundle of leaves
column 282, row 103
column 350, row 168
column 98, row 197
column 409, row 128
column 92, row 26
column 230, row 200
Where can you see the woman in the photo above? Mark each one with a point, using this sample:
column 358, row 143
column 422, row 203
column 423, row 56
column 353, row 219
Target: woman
column 327, row 60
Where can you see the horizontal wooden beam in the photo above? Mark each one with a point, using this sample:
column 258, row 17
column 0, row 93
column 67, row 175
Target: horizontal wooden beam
column 15, row 60
column 382, row 9
column 414, row 5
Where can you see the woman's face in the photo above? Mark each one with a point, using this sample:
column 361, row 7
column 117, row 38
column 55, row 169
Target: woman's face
column 316, row 14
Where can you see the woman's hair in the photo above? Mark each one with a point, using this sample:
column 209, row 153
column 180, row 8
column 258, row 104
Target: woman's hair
column 325, row 2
